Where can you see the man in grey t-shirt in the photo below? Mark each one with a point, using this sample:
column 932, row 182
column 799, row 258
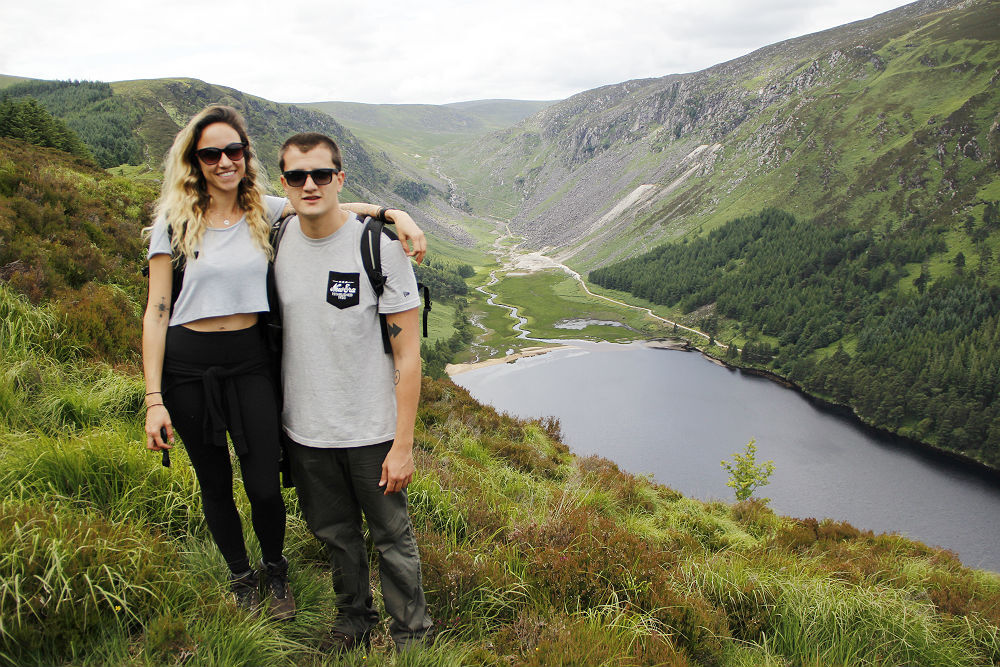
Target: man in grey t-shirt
column 350, row 407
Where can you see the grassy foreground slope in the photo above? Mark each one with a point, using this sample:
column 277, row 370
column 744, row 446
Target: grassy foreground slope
column 531, row 556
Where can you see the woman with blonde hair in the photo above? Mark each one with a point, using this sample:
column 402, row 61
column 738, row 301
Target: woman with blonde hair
column 205, row 359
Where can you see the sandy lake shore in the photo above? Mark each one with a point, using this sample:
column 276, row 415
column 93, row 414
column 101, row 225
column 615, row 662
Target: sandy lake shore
column 454, row 369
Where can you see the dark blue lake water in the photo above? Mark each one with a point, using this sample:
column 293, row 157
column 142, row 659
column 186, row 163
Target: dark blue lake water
column 676, row 415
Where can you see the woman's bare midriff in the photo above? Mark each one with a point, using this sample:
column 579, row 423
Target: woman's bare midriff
column 223, row 323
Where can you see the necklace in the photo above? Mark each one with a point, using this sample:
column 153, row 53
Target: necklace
column 226, row 220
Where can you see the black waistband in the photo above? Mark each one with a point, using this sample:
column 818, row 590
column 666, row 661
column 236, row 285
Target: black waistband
column 217, row 383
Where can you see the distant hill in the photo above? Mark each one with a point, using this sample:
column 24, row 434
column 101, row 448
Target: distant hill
column 423, row 127
column 7, row 80
column 502, row 113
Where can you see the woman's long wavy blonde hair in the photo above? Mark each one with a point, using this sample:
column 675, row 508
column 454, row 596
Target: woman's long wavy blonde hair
column 184, row 197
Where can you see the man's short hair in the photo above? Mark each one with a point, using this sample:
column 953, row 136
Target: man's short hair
column 305, row 142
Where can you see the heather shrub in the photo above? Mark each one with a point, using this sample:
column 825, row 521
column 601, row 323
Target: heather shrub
column 585, row 642
column 467, row 589
column 756, row 517
column 696, row 625
column 579, row 560
column 964, row 593
column 802, row 534
column 630, row 493
column 552, row 428
column 167, row 640
column 103, row 319
column 525, row 457
column 796, row 534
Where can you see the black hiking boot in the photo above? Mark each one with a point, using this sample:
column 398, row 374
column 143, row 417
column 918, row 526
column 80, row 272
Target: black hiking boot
column 245, row 588
column 339, row 642
column 280, row 601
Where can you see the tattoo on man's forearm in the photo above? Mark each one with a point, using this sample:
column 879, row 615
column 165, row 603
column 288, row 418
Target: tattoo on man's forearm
column 162, row 307
column 395, row 377
column 394, row 330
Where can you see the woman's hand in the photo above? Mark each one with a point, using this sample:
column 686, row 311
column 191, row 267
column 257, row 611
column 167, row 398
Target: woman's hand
column 159, row 430
column 407, row 230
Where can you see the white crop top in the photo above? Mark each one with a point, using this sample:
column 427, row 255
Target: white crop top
column 228, row 275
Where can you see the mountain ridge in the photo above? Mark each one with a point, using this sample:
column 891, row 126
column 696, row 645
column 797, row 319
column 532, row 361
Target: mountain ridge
column 578, row 158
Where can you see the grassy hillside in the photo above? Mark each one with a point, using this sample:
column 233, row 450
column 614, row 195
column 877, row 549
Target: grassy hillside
column 531, row 556
column 7, row 80
column 70, row 237
column 404, row 127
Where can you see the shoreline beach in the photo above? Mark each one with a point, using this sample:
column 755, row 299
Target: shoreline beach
column 454, row 369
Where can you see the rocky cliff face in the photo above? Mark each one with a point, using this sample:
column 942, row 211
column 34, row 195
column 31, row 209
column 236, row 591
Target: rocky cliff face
column 840, row 124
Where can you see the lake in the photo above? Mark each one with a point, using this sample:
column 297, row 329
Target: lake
column 676, row 415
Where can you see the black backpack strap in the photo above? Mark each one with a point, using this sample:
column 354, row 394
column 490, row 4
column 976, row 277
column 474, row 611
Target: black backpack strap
column 427, row 303
column 177, row 266
column 274, row 312
column 273, row 337
column 371, row 259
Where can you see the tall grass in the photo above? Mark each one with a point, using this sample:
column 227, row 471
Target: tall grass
column 64, row 573
column 44, row 384
column 108, row 472
column 27, row 330
column 824, row 620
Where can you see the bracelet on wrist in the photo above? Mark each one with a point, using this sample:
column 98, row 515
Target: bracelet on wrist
column 150, row 393
column 152, row 406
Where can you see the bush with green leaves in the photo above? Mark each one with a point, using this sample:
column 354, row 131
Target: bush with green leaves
column 745, row 474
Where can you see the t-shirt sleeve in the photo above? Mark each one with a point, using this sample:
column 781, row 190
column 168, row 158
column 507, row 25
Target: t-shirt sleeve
column 401, row 285
column 159, row 241
column 273, row 208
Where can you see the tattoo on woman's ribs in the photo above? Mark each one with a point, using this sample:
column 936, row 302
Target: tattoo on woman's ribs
column 395, row 377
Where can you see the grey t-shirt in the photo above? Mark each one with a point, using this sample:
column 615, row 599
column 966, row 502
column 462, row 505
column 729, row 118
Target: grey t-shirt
column 337, row 378
column 229, row 274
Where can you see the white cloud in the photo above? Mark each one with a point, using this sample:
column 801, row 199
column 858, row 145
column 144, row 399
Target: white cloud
column 435, row 51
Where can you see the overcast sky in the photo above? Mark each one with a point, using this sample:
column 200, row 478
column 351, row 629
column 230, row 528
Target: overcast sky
column 389, row 51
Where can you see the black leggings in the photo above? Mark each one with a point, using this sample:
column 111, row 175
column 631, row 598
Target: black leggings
column 258, row 409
